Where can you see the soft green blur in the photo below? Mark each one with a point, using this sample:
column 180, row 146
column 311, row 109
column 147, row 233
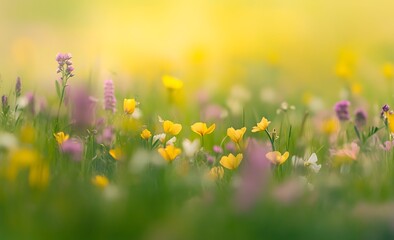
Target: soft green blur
column 198, row 41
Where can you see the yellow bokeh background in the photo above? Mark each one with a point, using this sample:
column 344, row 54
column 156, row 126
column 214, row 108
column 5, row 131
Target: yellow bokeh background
column 200, row 42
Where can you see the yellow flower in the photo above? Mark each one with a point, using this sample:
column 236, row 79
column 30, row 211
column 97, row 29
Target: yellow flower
column 356, row 88
column 169, row 153
column 20, row 159
column 231, row 162
column 129, row 105
column 388, row 70
column 202, row 129
column 236, row 135
column 277, row 158
column 216, row 173
column 61, row 137
column 39, row 176
column 262, row 125
column 343, row 70
column 171, row 128
column 116, row 153
column 28, row 134
column 390, row 121
column 100, row 181
column 172, row 83
column 330, row 126
column 146, row 134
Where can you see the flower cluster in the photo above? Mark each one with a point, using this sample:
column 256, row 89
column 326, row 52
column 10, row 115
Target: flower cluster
column 65, row 65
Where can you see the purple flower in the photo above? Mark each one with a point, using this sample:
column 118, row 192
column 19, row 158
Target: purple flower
column 64, row 65
column 73, row 148
column 18, row 87
column 253, row 176
column 4, row 101
column 109, row 96
column 210, row 159
column 107, row 136
column 385, row 109
column 360, row 118
column 342, row 110
column 83, row 108
column 31, row 102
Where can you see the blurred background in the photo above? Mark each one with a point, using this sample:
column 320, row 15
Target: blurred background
column 303, row 44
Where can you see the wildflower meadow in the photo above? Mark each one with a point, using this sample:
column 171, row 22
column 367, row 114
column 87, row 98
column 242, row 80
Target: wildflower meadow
column 250, row 148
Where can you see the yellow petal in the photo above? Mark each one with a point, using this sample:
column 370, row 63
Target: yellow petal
column 100, row 181
column 210, row 129
column 256, row 129
column 176, row 129
column 284, row 157
column 172, row 83
column 197, row 128
column 129, row 105
column 145, row 134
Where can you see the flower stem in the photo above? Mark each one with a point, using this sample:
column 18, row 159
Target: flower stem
column 271, row 140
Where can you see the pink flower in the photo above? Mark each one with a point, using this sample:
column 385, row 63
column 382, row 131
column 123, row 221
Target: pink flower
column 109, row 96
column 387, row 145
column 74, row 148
column 254, row 176
column 347, row 154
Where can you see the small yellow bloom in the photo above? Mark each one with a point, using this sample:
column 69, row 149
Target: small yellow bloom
column 236, row 135
column 21, row 159
column 390, row 121
column 24, row 157
column 116, row 153
column 39, row 176
column 356, row 88
column 172, row 83
column 262, row 125
column 169, row 153
column 202, row 129
column 100, row 181
column 61, row 137
column 343, row 70
column 28, row 134
column 388, row 70
column 171, row 128
column 330, row 126
column 277, row 158
column 146, row 134
column 129, row 105
column 216, row 173
column 231, row 162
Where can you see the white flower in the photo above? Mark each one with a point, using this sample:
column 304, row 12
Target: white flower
column 8, row 141
column 268, row 95
column 137, row 114
column 235, row 106
column 240, row 93
column 159, row 137
column 171, row 141
column 162, row 136
column 284, row 107
column 190, row 147
column 112, row 192
column 311, row 163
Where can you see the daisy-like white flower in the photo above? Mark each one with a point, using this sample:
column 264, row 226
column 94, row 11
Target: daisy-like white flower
column 190, row 147
column 311, row 163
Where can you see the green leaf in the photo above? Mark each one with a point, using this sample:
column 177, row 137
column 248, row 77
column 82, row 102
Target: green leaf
column 57, row 88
